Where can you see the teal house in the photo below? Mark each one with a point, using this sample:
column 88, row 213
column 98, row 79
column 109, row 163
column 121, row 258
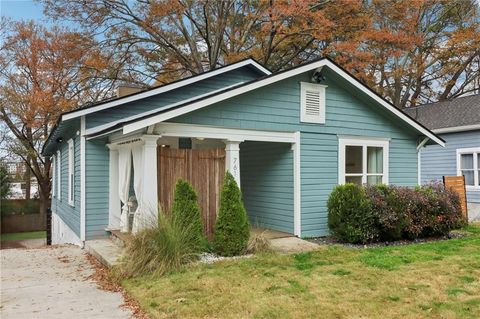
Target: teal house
column 288, row 138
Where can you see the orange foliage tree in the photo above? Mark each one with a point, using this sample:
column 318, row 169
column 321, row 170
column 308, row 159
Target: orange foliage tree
column 44, row 72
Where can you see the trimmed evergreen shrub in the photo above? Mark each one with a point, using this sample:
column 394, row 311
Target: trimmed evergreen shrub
column 186, row 210
column 232, row 229
column 350, row 216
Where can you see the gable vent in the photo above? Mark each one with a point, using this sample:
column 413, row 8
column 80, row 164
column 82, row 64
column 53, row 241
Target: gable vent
column 312, row 103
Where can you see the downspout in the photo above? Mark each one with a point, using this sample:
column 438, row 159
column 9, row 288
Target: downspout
column 419, row 160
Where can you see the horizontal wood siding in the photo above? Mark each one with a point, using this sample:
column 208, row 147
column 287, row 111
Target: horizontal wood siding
column 223, row 80
column 277, row 107
column 437, row 161
column 69, row 214
column 97, row 188
column 267, row 184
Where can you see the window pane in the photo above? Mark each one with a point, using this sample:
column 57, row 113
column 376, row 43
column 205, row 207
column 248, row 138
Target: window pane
column 469, row 179
column 466, row 161
column 353, row 159
column 375, row 160
column 373, row 180
column 353, row 179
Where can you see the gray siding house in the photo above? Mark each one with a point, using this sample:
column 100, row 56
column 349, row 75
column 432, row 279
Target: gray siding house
column 288, row 138
column 457, row 121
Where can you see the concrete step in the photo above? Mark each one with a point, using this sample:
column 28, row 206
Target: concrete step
column 105, row 250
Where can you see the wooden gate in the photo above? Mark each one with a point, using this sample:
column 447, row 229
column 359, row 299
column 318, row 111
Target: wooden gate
column 203, row 168
column 457, row 183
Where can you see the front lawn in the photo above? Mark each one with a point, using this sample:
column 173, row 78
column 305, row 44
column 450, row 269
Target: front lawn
column 24, row 235
column 429, row 280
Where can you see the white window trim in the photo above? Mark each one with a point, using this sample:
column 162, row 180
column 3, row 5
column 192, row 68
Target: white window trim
column 364, row 142
column 59, row 175
column 304, row 118
column 54, row 167
column 71, row 172
column 476, row 175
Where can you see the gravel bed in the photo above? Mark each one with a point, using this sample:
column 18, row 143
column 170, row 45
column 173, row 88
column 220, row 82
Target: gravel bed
column 332, row 241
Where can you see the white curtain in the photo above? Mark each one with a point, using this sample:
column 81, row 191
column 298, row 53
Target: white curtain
column 139, row 219
column 124, row 172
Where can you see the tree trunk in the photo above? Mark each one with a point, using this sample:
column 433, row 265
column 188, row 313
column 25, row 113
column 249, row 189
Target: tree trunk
column 44, row 192
column 28, row 178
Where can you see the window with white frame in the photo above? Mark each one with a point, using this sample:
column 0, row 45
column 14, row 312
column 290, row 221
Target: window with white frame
column 312, row 102
column 59, row 174
column 468, row 165
column 71, row 173
column 363, row 161
column 53, row 176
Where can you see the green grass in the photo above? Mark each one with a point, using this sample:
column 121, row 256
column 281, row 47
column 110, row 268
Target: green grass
column 428, row 280
column 23, row 236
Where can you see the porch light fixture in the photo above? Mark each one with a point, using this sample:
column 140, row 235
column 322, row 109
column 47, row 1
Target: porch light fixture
column 318, row 76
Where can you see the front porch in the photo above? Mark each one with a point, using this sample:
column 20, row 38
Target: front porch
column 265, row 165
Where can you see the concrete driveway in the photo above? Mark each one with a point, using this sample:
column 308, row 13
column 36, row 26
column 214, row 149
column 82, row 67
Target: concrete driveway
column 53, row 283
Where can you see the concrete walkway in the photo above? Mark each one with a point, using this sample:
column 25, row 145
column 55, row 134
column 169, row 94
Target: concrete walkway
column 53, row 283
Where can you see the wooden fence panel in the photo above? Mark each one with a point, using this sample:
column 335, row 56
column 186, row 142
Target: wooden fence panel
column 457, row 183
column 203, row 168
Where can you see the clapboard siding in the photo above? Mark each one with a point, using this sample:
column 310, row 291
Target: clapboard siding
column 97, row 188
column 69, row 214
column 267, row 184
column 437, row 161
column 277, row 107
column 208, row 85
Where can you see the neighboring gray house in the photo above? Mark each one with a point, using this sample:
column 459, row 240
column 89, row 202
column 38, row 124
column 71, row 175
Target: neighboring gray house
column 288, row 138
column 457, row 121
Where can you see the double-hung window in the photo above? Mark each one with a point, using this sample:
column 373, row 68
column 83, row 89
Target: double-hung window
column 71, row 173
column 58, row 162
column 468, row 165
column 363, row 161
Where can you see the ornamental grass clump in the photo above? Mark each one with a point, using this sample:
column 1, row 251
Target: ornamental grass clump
column 163, row 248
column 232, row 229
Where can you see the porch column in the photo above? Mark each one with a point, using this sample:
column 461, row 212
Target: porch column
column 232, row 159
column 149, row 176
column 114, row 207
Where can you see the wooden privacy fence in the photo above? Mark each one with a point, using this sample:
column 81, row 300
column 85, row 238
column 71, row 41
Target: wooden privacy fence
column 203, row 168
column 457, row 183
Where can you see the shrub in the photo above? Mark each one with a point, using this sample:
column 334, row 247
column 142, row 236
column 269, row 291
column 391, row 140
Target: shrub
column 391, row 213
column 350, row 216
column 161, row 249
column 185, row 209
column 232, row 229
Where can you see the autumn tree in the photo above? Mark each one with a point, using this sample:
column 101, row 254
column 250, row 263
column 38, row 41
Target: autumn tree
column 410, row 51
column 44, row 72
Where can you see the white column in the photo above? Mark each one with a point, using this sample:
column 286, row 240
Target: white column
column 114, row 200
column 232, row 160
column 149, row 187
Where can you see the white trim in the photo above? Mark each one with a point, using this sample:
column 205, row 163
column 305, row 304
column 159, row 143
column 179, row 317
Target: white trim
column 114, row 206
column 475, row 151
column 364, row 142
column 270, row 80
column 454, row 129
column 419, row 160
column 187, row 130
column 54, row 181
column 103, row 127
column 62, row 233
column 59, row 175
column 82, row 180
column 297, row 199
column 71, row 172
column 166, row 88
column 304, row 117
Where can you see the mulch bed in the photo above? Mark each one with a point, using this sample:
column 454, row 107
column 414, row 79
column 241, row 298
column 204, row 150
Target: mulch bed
column 104, row 280
column 333, row 241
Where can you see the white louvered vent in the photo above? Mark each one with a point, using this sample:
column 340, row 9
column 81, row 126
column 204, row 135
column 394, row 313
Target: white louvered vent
column 312, row 103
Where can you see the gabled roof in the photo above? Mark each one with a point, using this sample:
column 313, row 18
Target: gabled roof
column 456, row 115
column 102, row 105
column 170, row 111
